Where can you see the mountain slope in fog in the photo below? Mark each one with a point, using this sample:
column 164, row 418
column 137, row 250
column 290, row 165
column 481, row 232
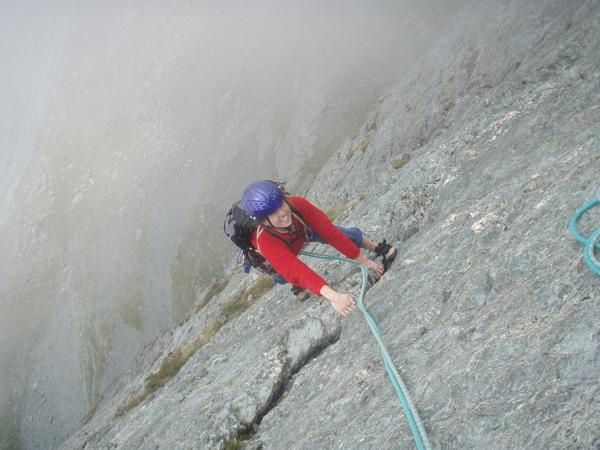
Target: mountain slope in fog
column 474, row 165
column 120, row 122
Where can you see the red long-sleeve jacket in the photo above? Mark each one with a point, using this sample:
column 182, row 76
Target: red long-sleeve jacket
column 283, row 255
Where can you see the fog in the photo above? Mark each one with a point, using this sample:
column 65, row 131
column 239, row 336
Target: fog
column 126, row 130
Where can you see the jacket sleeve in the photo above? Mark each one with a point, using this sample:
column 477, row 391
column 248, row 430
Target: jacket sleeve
column 318, row 221
column 288, row 265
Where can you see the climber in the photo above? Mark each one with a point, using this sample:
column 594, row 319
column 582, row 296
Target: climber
column 283, row 224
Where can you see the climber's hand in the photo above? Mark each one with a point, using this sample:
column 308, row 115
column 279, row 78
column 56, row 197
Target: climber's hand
column 376, row 268
column 342, row 303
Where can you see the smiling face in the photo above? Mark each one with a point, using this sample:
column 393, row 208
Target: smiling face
column 282, row 218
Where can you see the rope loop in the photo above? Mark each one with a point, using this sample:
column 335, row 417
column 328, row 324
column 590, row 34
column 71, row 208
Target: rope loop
column 592, row 243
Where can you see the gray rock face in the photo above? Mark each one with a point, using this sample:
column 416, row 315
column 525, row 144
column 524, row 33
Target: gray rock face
column 474, row 166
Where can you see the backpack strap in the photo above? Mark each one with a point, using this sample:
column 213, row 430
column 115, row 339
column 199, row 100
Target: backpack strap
column 308, row 233
column 261, row 229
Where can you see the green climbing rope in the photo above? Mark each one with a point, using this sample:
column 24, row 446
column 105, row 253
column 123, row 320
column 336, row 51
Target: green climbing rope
column 591, row 243
column 410, row 411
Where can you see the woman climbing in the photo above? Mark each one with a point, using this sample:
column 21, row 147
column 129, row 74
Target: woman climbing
column 284, row 224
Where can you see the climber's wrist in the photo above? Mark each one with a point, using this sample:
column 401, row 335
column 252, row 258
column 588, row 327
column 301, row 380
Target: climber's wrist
column 362, row 259
column 328, row 292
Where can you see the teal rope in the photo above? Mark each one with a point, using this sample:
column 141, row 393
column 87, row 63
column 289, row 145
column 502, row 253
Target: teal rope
column 410, row 411
column 591, row 243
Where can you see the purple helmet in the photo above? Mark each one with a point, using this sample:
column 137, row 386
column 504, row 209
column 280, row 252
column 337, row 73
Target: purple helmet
column 262, row 198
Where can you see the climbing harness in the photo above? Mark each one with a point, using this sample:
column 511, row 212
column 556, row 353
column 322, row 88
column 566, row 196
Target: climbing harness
column 591, row 243
column 410, row 411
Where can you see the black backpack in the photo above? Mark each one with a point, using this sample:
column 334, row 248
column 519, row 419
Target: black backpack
column 238, row 227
